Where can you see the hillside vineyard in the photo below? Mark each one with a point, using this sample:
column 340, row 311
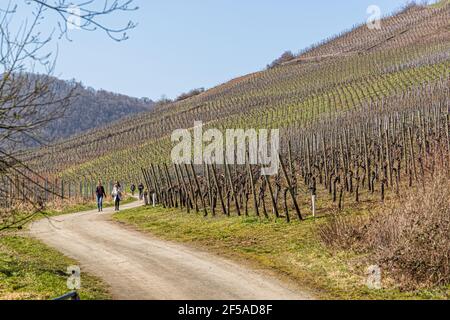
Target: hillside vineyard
column 363, row 116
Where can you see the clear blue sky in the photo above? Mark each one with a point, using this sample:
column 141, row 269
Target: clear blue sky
column 180, row 45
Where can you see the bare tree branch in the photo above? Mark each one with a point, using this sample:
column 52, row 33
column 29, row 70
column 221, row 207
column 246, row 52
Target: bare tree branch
column 30, row 100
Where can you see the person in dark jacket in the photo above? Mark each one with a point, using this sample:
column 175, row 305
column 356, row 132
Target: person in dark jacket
column 100, row 192
column 141, row 191
column 133, row 189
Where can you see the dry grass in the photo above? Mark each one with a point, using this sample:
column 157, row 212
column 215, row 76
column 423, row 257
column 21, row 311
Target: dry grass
column 409, row 238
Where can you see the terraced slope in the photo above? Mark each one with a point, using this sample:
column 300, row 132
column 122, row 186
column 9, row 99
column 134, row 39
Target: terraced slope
column 413, row 25
column 353, row 71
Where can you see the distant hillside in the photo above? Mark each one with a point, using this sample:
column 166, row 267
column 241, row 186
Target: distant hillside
column 91, row 109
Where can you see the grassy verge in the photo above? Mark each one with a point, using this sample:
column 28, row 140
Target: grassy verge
column 31, row 270
column 293, row 250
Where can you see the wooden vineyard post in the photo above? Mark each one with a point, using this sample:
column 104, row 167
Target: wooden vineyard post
column 366, row 160
column 69, row 189
column 180, row 187
column 291, row 167
column 144, row 176
column 389, row 159
column 202, row 200
column 189, row 203
column 147, row 182
column 291, row 191
column 313, row 204
column 233, row 191
column 210, row 190
column 313, row 197
column 156, row 181
column 343, row 161
column 286, row 210
column 412, row 155
column 153, row 183
column 219, row 190
column 54, row 184
column 272, row 197
column 405, row 145
column 186, row 192
column 308, row 163
column 160, row 178
column 146, row 199
column 163, row 185
column 46, row 190
column 169, row 179
column 325, row 157
column 227, row 189
column 252, row 185
column 191, row 187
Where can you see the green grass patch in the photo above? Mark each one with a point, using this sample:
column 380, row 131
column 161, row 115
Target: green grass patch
column 29, row 270
column 292, row 250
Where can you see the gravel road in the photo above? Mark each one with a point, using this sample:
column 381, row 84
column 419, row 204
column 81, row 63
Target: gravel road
column 138, row 266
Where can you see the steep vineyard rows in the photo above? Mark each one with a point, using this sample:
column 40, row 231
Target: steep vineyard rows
column 358, row 156
column 365, row 115
column 273, row 89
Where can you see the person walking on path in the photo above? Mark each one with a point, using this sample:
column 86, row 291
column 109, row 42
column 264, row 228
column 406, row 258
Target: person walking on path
column 117, row 195
column 100, row 192
column 141, row 191
column 133, row 189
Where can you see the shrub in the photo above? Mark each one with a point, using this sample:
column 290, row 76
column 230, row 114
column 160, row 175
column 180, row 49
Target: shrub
column 410, row 239
column 342, row 232
column 190, row 94
column 285, row 57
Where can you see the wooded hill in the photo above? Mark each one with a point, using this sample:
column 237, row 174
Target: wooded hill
column 89, row 109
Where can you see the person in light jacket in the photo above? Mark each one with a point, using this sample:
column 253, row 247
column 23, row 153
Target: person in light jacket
column 117, row 195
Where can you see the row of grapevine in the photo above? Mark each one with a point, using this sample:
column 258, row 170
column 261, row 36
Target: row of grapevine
column 371, row 152
column 328, row 86
column 342, row 81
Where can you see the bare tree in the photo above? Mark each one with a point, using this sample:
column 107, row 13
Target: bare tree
column 285, row 57
column 29, row 98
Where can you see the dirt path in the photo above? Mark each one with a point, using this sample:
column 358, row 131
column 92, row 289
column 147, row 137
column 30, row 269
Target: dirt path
column 137, row 266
